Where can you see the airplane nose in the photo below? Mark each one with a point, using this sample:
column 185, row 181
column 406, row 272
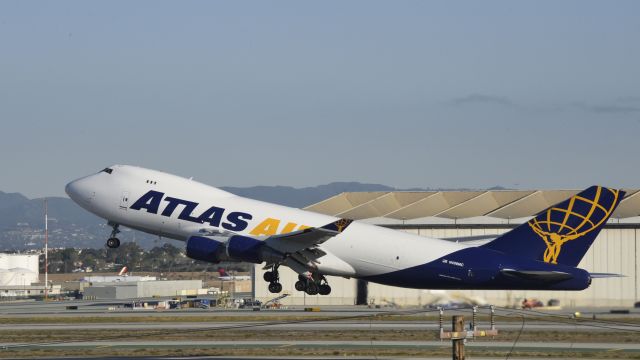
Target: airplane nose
column 79, row 191
column 69, row 188
column 73, row 190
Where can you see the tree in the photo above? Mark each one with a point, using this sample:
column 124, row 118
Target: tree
column 69, row 257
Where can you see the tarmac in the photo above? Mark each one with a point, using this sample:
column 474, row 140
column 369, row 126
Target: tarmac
column 209, row 319
column 569, row 348
column 105, row 307
column 324, row 325
column 489, row 345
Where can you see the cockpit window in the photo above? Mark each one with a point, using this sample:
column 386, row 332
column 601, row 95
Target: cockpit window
column 107, row 170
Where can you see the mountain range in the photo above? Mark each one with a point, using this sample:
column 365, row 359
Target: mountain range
column 22, row 219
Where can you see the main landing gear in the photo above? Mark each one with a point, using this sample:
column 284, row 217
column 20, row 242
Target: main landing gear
column 113, row 242
column 313, row 286
column 273, row 278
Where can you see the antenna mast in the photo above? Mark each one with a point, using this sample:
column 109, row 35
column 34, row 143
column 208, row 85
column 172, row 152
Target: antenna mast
column 46, row 251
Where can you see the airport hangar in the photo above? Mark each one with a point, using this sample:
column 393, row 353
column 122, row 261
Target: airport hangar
column 461, row 216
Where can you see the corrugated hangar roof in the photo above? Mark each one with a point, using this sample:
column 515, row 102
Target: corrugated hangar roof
column 502, row 204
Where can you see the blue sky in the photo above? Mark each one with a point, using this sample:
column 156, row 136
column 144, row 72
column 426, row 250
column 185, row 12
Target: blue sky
column 540, row 94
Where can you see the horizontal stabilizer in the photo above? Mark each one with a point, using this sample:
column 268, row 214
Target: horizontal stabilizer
column 472, row 238
column 536, row 275
column 604, row 275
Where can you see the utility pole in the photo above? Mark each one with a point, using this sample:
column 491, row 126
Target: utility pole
column 458, row 335
column 46, row 252
column 457, row 338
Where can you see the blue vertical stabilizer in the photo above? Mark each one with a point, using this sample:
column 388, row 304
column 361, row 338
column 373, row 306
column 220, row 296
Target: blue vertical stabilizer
column 563, row 233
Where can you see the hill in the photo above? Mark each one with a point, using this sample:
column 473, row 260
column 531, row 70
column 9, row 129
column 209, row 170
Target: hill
column 22, row 219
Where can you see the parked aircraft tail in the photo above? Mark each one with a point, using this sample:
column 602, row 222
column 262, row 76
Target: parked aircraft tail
column 124, row 271
column 222, row 272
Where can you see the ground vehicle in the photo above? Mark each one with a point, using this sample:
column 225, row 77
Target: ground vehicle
column 531, row 303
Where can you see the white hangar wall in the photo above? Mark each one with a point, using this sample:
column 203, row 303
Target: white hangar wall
column 142, row 289
column 614, row 251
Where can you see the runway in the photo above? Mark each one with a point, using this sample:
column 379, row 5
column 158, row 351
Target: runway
column 113, row 308
column 53, row 329
column 315, row 326
column 488, row 345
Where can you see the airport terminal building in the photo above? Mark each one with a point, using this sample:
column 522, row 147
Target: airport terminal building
column 139, row 287
column 474, row 217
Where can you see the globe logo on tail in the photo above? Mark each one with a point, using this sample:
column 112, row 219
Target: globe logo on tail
column 342, row 224
column 582, row 215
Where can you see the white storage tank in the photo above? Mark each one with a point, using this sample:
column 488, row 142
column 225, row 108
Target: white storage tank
column 18, row 269
column 17, row 277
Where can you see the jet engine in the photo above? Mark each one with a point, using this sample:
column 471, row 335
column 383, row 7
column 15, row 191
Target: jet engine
column 209, row 249
column 235, row 248
column 248, row 249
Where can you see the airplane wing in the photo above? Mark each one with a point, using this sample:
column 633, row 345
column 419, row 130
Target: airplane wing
column 308, row 238
column 296, row 249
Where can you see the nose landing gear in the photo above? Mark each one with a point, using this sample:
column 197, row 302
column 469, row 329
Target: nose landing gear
column 113, row 242
column 273, row 278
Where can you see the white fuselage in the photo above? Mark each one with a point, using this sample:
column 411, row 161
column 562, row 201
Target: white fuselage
column 361, row 250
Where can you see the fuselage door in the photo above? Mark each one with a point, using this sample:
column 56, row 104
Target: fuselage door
column 124, row 200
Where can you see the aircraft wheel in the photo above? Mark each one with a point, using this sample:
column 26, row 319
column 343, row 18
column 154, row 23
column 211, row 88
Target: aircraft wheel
column 312, row 288
column 268, row 276
column 275, row 287
column 301, row 285
column 113, row 242
column 324, row 289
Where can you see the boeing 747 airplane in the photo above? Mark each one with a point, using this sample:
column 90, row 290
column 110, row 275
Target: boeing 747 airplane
column 541, row 254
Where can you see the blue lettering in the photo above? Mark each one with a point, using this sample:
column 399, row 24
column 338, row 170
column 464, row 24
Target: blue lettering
column 237, row 221
column 186, row 212
column 171, row 206
column 213, row 216
column 189, row 206
column 149, row 201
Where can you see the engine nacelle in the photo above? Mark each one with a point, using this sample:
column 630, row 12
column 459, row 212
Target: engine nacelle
column 206, row 249
column 248, row 249
column 245, row 248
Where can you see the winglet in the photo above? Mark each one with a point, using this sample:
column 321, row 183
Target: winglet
column 338, row 226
